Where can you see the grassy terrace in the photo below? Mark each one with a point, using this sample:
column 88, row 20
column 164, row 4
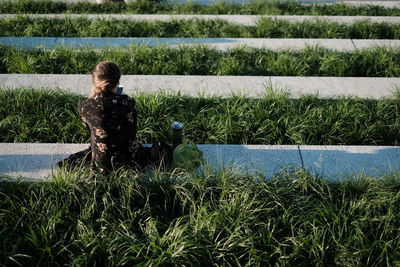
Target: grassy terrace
column 51, row 116
column 148, row 7
column 266, row 28
column 200, row 60
column 213, row 217
column 210, row 218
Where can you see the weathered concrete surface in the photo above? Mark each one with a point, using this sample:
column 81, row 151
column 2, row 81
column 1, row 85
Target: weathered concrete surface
column 251, row 86
column 33, row 161
column 328, row 87
column 337, row 161
column 223, row 44
column 383, row 3
column 210, row 2
column 368, row 43
column 246, row 20
column 37, row 161
column 264, row 159
column 215, row 43
column 186, row 85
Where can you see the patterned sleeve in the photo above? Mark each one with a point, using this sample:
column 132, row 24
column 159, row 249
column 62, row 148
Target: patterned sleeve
column 132, row 120
column 92, row 115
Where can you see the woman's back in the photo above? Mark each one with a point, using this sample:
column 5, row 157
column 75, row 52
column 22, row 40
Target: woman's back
column 112, row 121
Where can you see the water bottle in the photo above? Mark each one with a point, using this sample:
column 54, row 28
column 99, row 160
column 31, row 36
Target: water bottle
column 177, row 133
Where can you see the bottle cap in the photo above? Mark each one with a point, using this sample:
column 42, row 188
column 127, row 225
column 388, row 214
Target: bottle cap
column 177, row 125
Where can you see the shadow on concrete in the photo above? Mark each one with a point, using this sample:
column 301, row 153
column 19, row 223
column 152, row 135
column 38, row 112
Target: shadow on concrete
column 252, row 159
column 210, row 2
column 340, row 162
column 29, row 162
column 126, row 42
column 95, row 42
column 332, row 162
column 28, row 42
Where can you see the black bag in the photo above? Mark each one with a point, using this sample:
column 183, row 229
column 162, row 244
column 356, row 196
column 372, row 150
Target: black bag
column 159, row 155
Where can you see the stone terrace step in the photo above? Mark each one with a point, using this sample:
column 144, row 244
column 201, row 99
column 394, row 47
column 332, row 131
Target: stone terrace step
column 251, row 86
column 246, row 20
column 383, row 3
column 344, row 45
column 37, row 161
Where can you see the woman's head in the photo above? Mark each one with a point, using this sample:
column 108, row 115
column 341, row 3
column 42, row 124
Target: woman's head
column 105, row 77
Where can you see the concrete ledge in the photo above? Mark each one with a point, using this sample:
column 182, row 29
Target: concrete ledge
column 275, row 44
column 368, row 43
column 330, row 161
column 383, row 3
column 331, row 87
column 37, row 161
column 33, row 161
column 245, row 20
column 224, row 86
column 215, row 43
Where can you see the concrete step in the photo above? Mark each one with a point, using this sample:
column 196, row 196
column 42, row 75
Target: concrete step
column 246, row 20
column 37, row 161
column 383, row 3
column 224, row 86
column 343, row 45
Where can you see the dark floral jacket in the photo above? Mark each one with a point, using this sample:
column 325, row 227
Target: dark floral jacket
column 112, row 121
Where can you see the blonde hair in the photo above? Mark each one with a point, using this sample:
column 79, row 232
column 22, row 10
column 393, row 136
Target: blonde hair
column 105, row 77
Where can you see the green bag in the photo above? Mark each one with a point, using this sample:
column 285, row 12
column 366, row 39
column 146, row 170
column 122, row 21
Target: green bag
column 187, row 156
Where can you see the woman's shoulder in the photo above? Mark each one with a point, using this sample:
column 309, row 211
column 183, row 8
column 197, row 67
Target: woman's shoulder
column 126, row 98
column 91, row 104
column 120, row 100
column 106, row 101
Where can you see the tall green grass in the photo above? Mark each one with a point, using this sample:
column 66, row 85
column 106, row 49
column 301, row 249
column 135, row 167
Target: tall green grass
column 148, row 7
column 51, row 116
column 196, row 28
column 201, row 60
column 207, row 218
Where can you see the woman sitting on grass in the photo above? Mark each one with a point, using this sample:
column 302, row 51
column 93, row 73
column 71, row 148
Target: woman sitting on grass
column 111, row 119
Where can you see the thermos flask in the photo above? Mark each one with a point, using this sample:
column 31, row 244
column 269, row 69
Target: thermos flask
column 177, row 133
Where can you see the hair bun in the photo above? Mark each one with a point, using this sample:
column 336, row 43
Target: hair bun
column 105, row 77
